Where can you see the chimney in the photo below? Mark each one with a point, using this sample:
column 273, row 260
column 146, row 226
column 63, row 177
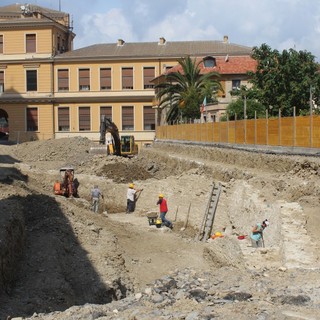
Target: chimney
column 162, row 41
column 120, row 42
column 225, row 39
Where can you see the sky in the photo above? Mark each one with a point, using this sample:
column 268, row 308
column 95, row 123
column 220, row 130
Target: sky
column 281, row 24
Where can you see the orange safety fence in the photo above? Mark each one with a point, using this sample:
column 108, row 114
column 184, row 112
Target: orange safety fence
column 299, row 131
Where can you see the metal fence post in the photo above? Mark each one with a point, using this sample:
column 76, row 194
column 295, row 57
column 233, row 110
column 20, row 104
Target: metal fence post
column 235, row 128
column 255, row 127
column 267, row 128
column 311, row 126
column 294, row 126
column 279, row 127
column 227, row 128
column 213, row 131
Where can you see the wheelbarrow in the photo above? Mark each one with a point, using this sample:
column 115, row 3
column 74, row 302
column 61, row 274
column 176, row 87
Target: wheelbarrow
column 152, row 218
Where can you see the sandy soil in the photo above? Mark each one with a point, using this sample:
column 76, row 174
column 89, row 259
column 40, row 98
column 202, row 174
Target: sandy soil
column 56, row 253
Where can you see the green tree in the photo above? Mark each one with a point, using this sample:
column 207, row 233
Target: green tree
column 245, row 102
column 237, row 108
column 182, row 93
column 285, row 80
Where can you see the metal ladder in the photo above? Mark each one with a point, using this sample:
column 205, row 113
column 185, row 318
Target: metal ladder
column 208, row 219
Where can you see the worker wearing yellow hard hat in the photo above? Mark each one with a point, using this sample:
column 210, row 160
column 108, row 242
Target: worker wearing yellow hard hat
column 132, row 196
column 163, row 211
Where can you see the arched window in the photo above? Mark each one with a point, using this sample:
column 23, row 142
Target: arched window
column 209, row 62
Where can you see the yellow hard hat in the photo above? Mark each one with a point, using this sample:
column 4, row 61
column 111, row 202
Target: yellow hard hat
column 131, row 185
column 160, row 195
column 218, row 234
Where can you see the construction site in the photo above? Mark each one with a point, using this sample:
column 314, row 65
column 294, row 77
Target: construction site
column 60, row 260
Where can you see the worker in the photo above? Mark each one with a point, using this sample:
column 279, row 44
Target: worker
column 57, row 188
column 68, row 180
column 132, row 196
column 257, row 234
column 163, row 211
column 95, row 198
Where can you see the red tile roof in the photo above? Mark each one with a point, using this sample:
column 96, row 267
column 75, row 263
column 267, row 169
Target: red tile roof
column 226, row 65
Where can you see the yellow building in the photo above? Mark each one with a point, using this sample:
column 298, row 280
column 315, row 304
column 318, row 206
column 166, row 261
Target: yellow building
column 48, row 90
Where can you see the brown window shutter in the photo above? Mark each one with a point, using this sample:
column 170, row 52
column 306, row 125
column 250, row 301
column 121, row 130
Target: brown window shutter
column 149, row 118
column 127, row 118
column 84, row 119
column 32, row 119
column 127, row 78
column 148, row 75
column 84, row 77
column 105, row 78
column 106, row 111
column 63, row 79
column 30, row 43
column 63, row 119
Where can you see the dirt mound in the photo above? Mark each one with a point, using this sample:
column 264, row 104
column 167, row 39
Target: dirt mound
column 73, row 151
column 123, row 172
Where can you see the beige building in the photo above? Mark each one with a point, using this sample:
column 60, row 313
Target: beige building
column 48, row 90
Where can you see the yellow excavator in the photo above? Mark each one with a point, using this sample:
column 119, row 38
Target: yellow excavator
column 120, row 146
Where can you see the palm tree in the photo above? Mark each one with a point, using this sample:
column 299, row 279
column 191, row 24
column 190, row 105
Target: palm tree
column 183, row 92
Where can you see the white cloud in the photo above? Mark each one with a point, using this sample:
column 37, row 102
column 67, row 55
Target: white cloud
column 102, row 28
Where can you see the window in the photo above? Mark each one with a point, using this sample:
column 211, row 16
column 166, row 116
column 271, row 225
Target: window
column 106, row 111
column 32, row 119
column 236, row 84
column 1, row 81
column 149, row 118
column 84, row 79
column 127, row 118
column 30, row 43
column 209, row 62
column 105, row 79
column 1, row 43
column 32, row 80
column 63, row 80
column 127, row 78
column 84, row 119
column 63, row 119
column 148, row 75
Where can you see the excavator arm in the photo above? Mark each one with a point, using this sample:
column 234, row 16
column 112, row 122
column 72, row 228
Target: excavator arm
column 106, row 125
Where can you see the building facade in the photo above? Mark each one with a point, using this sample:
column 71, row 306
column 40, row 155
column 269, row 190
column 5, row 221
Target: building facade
column 48, row 90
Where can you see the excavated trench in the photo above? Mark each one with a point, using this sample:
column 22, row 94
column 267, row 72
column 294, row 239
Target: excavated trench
column 44, row 266
column 40, row 232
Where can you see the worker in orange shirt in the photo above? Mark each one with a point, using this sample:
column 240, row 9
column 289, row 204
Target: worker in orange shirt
column 57, row 188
